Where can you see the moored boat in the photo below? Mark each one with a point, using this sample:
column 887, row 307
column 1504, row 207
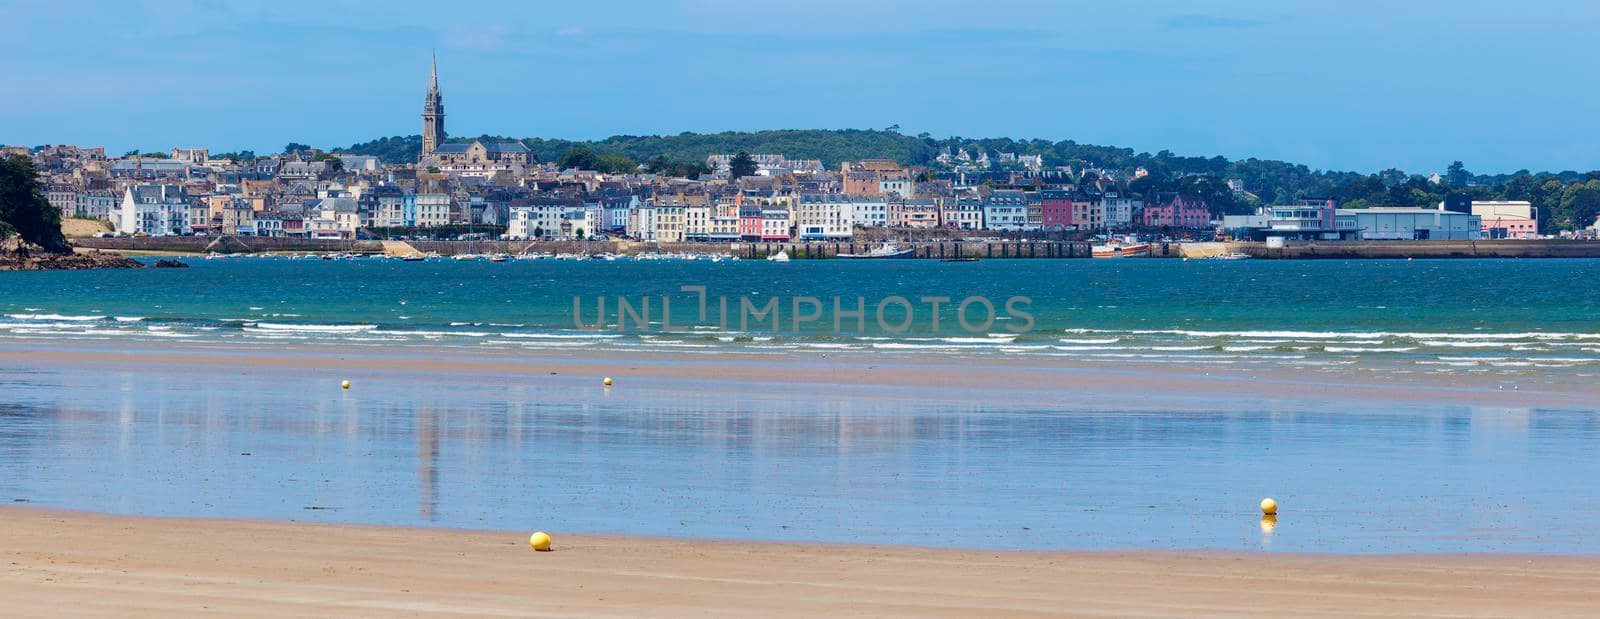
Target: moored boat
column 887, row 250
column 1121, row 250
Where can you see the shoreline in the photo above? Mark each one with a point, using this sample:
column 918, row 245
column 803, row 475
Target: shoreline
column 100, row 565
column 953, row 377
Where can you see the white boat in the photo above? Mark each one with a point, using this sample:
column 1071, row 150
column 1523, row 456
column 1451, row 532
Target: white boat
column 499, row 258
column 465, row 257
column 1121, row 250
column 781, row 256
column 1230, row 256
column 887, row 250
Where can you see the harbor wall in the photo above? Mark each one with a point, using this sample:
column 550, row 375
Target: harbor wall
column 931, row 249
column 1505, row 248
column 923, row 249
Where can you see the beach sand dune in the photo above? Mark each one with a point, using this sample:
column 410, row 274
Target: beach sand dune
column 55, row 564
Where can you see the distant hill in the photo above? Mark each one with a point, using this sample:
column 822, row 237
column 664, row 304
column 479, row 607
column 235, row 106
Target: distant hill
column 832, row 147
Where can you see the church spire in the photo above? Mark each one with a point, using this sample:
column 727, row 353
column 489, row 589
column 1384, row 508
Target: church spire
column 432, row 112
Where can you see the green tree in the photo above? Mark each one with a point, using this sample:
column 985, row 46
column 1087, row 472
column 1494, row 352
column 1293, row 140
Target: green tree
column 742, row 165
column 613, row 163
column 1457, row 175
column 293, row 147
column 1580, row 204
column 579, row 157
column 24, row 207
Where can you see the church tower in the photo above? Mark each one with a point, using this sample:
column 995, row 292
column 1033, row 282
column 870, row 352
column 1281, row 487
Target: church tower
column 432, row 113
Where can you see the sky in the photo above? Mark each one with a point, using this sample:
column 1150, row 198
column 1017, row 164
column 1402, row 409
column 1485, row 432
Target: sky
column 1349, row 85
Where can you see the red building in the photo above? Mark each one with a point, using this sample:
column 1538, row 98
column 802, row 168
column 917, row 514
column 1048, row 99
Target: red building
column 1056, row 209
column 750, row 223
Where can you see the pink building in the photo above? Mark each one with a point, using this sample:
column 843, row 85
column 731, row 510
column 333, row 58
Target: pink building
column 1507, row 220
column 1171, row 210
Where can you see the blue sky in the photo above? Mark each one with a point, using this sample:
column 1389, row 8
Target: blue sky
column 1355, row 84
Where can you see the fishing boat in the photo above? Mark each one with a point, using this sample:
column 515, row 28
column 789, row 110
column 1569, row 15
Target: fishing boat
column 887, row 250
column 1121, row 250
column 781, row 256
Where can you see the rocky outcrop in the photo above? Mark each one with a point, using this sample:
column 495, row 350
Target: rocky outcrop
column 16, row 255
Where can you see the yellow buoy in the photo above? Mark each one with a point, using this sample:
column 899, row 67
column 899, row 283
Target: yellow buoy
column 608, row 381
column 540, row 541
column 1269, row 507
column 344, row 385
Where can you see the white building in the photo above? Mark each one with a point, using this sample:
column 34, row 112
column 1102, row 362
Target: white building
column 332, row 218
column 432, row 209
column 870, row 212
column 1006, row 210
column 1120, row 210
column 825, row 217
column 155, row 210
column 697, row 223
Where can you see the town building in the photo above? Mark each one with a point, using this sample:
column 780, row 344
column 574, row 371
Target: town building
column 1172, row 210
column 1507, row 220
column 154, row 210
column 1006, row 210
column 825, row 217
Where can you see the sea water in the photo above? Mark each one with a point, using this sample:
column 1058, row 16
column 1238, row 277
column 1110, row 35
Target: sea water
column 798, row 462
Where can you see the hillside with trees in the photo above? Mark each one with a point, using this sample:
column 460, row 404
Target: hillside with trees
column 1566, row 200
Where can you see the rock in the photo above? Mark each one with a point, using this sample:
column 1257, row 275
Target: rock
column 18, row 256
column 171, row 264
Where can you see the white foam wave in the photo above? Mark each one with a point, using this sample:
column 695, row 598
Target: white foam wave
column 314, row 328
column 62, row 317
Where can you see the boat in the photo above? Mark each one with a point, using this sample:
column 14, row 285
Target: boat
column 781, row 256
column 464, row 257
column 887, row 250
column 499, row 258
column 1121, row 250
column 1230, row 256
column 413, row 257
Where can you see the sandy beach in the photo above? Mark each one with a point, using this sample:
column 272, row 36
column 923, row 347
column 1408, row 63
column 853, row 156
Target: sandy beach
column 84, row 565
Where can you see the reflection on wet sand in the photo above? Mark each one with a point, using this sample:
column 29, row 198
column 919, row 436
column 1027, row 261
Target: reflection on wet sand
column 771, row 461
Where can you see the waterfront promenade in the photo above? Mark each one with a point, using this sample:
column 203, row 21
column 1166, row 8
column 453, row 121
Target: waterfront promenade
column 934, row 249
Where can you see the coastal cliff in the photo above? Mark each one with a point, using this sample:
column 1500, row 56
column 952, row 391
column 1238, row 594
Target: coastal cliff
column 16, row 255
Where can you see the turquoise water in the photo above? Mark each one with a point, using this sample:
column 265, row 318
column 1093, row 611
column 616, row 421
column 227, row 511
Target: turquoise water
column 1440, row 316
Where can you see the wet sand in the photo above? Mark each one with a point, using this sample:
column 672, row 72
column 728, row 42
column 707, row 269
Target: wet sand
column 83, row 565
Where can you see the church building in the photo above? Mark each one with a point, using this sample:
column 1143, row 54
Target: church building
column 435, row 151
